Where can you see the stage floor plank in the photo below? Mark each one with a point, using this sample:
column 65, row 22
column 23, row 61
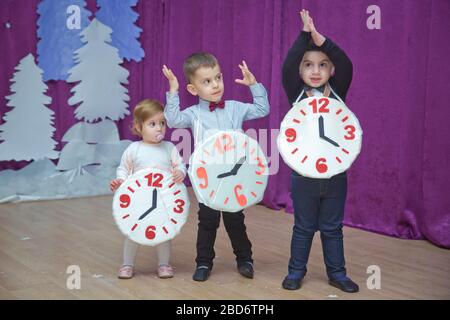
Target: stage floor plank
column 39, row 240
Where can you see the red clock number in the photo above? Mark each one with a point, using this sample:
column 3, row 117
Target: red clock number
column 228, row 145
column 321, row 165
column 260, row 165
column 291, row 135
column 241, row 199
column 351, row 131
column 124, row 200
column 179, row 208
column 157, row 183
column 201, row 173
column 150, row 232
column 323, row 105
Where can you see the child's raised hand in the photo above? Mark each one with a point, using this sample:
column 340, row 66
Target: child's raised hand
column 114, row 184
column 317, row 38
column 247, row 77
column 178, row 176
column 173, row 81
column 304, row 14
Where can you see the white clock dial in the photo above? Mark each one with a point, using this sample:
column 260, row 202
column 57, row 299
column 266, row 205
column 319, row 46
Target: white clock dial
column 150, row 208
column 229, row 171
column 319, row 137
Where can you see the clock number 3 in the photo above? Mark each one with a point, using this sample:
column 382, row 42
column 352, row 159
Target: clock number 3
column 260, row 165
column 323, row 105
column 241, row 199
column 157, row 183
column 219, row 143
column 351, row 132
column 179, row 208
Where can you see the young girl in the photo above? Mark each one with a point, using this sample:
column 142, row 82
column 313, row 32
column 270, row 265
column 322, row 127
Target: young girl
column 151, row 151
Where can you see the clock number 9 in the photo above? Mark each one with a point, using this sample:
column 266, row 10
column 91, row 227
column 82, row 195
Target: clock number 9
column 201, row 173
column 219, row 145
column 291, row 135
column 241, row 199
column 351, row 131
column 179, row 208
column 260, row 165
column 321, row 165
column 150, row 232
column 124, row 200
column 323, row 108
column 157, row 182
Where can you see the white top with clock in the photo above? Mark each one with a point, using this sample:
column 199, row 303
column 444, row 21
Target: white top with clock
column 319, row 137
column 229, row 171
column 149, row 208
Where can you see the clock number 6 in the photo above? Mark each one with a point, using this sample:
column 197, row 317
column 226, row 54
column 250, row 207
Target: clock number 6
column 157, row 183
column 179, row 208
column 124, row 200
column 241, row 199
column 321, row 165
column 150, row 232
column 351, row 131
column 219, row 145
column 323, row 105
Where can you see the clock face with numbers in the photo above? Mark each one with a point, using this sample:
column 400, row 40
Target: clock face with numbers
column 229, row 171
column 150, row 208
column 319, row 137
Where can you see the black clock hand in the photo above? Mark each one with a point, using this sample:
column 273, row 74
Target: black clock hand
column 321, row 129
column 238, row 165
column 235, row 169
column 153, row 207
column 322, row 133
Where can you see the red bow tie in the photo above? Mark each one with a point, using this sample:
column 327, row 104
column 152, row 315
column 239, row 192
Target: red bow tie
column 214, row 105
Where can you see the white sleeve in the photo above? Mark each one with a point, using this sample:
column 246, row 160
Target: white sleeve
column 176, row 159
column 125, row 168
column 174, row 116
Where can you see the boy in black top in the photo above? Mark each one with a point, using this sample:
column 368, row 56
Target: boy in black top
column 318, row 67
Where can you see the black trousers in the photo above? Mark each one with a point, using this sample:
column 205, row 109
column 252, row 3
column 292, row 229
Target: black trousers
column 208, row 222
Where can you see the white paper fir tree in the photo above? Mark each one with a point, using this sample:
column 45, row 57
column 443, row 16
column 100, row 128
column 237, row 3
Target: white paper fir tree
column 100, row 91
column 27, row 131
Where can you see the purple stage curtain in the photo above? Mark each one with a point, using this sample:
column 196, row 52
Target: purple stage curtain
column 400, row 90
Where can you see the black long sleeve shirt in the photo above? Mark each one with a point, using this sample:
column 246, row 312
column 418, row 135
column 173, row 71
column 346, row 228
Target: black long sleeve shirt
column 293, row 84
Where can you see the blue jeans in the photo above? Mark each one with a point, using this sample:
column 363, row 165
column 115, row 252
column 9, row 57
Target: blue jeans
column 318, row 205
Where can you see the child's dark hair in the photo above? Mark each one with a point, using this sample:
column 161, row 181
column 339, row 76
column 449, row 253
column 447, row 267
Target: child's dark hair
column 312, row 47
column 196, row 61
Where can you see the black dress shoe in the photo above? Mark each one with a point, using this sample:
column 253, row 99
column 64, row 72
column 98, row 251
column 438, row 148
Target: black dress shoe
column 291, row 284
column 201, row 273
column 345, row 285
column 246, row 270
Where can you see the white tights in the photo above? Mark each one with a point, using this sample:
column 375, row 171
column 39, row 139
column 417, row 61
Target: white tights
column 130, row 249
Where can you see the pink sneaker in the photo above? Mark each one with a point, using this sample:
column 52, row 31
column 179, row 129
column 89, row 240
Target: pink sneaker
column 126, row 272
column 165, row 271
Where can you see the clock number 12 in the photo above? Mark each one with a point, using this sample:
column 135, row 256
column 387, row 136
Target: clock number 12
column 228, row 145
column 323, row 108
column 157, row 183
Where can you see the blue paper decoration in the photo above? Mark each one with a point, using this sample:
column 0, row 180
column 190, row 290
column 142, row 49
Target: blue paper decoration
column 57, row 40
column 120, row 17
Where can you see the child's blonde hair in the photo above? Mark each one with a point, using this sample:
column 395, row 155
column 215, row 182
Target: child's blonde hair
column 196, row 61
column 145, row 109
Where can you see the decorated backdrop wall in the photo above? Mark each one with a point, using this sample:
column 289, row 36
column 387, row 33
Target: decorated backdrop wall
column 399, row 184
